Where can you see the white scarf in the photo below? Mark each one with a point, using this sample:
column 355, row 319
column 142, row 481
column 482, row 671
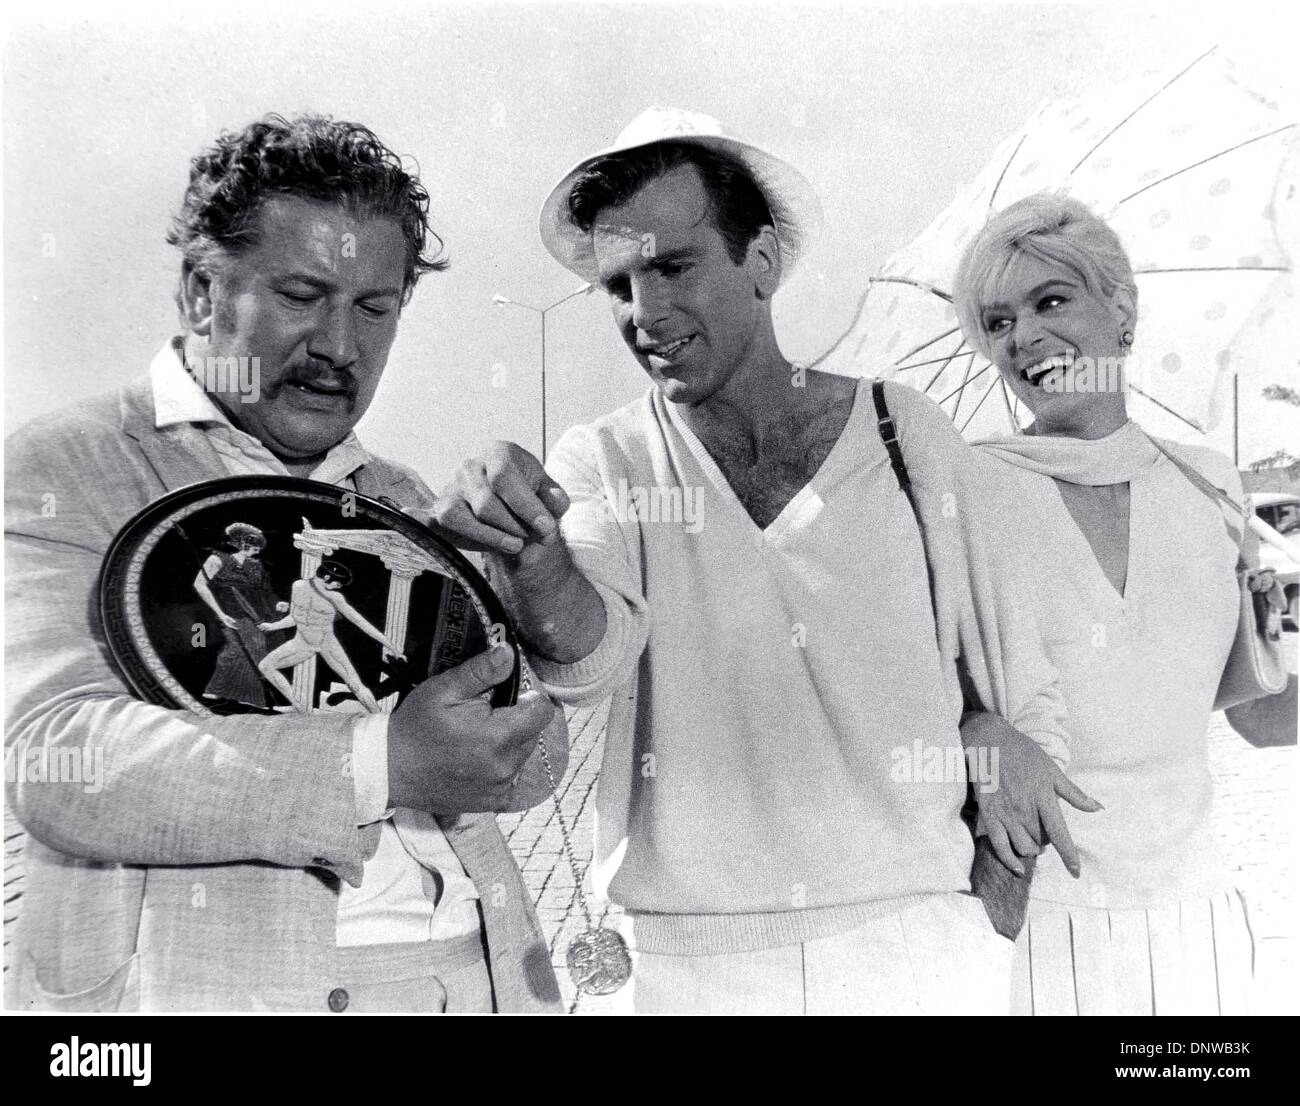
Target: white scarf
column 1114, row 459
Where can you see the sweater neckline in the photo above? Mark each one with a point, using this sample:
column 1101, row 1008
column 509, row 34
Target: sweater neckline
column 1105, row 597
column 795, row 508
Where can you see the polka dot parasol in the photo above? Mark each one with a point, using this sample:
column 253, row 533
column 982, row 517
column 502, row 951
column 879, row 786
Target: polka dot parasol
column 1197, row 173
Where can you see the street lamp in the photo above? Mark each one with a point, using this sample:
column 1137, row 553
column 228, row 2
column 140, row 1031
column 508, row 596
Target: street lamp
column 506, row 301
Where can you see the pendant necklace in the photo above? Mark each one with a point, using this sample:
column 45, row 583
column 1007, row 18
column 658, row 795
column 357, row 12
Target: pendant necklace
column 597, row 958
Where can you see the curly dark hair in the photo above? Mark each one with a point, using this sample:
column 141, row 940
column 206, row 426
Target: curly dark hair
column 310, row 156
column 737, row 206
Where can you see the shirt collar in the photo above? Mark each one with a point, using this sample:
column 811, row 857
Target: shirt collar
column 178, row 399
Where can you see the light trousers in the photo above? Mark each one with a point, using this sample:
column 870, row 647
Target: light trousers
column 418, row 977
column 937, row 956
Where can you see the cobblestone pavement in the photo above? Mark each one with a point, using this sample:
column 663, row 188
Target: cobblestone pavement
column 535, row 838
column 1256, row 793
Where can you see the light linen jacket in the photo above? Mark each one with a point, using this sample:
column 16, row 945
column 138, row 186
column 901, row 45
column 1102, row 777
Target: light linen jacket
column 205, row 874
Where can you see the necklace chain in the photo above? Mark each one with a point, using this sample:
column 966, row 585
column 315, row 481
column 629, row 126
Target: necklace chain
column 578, row 895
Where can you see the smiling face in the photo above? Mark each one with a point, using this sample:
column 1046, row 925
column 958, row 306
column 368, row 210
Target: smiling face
column 316, row 300
column 1055, row 342
column 687, row 311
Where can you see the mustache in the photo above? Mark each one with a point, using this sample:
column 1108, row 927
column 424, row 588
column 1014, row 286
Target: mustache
column 318, row 371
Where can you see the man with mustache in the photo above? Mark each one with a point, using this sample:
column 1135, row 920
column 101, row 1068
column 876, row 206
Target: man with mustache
column 316, row 861
column 774, row 813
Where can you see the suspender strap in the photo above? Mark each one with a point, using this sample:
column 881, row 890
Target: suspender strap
column 888, row 435
column 885, row 423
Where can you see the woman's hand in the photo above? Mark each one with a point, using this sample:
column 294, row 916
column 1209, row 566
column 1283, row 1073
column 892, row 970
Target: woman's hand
column 1261, row 580
column 1020, row 813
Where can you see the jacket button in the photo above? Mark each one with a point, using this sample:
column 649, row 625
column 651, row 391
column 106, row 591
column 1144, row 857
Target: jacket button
column 338, row 1000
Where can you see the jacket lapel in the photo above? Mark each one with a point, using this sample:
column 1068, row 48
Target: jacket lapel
column 179, row 455
column 523, row 980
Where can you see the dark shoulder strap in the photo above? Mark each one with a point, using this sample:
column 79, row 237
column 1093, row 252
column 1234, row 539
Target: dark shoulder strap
column 889, row 435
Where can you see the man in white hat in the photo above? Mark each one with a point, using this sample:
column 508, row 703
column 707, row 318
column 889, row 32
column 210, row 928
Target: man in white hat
column 738, row 569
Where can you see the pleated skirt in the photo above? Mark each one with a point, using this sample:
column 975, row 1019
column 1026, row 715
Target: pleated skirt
column 1191, row 957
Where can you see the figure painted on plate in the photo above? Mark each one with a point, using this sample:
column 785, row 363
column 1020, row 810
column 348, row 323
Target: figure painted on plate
column 314, row 604
column 234, row 584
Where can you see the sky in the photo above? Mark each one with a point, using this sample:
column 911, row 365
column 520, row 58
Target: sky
column 888, row 109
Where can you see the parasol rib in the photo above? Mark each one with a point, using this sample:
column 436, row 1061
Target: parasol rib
column 964, row 384
column 1204, row 161
column 913, row 283
column 945, row 361
column 928, row 343
column 1003, row 175
column 1164, row 407
column 965, row 379
column 981, row 402
column 1157, row 92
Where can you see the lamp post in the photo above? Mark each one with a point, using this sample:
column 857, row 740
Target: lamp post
column 542, row 312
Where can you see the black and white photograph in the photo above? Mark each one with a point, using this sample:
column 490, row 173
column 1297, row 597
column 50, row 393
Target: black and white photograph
column 685, row 508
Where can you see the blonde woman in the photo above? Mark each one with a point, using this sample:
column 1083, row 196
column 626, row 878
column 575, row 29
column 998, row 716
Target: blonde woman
column 1139, row 601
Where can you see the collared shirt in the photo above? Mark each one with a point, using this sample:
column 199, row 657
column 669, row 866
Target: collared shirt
column 414, row 888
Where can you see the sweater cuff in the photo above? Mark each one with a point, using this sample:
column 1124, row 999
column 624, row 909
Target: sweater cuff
column 1047, row 732
column 571, row 682
column 1051, row 742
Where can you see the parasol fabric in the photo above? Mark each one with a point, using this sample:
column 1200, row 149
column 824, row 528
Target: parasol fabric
column 1191, row 169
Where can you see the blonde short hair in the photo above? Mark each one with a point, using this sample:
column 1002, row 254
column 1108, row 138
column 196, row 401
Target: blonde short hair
column 1052, row 228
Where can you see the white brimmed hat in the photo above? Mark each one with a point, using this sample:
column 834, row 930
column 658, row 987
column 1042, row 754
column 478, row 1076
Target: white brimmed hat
column 796, row 210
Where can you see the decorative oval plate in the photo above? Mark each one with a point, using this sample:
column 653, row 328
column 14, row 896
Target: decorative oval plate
column 270, row 594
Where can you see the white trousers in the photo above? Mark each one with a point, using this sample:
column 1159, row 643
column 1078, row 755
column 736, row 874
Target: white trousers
column 938, row 956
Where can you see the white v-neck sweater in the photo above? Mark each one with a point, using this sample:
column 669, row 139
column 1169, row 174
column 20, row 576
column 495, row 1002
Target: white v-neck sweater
column 781, row 698
column 1139, row 674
